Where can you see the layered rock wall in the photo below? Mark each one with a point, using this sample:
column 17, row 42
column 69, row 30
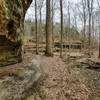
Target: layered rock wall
column 12, row 14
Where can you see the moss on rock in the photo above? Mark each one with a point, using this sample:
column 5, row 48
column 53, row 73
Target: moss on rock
column 12, row 14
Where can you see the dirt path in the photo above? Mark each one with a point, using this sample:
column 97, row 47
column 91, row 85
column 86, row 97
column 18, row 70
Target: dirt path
column 63, row 81
column 60, row 83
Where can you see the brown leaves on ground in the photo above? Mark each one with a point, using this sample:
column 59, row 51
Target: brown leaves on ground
column 60, row 83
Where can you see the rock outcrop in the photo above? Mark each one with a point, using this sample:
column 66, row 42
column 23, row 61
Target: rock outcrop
column 12, row 14
column 18, row 83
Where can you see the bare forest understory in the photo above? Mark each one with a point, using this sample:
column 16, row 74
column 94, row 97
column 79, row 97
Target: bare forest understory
column 75, row 77
column 46, row 59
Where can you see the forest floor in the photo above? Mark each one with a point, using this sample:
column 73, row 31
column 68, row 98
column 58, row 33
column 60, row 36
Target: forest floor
column 69, row 78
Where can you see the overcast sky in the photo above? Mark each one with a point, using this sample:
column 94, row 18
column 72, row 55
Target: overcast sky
column 31, row 11
column 30, row 15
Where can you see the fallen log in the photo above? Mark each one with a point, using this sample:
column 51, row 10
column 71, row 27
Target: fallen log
column 90, row 64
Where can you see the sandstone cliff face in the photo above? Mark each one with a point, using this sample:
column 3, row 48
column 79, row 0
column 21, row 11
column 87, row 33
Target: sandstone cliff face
column 12, row 14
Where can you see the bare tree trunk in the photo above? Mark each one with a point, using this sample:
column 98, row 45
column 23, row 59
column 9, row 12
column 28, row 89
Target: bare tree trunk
column 84, row 31
column 40, row 27
column 90, row 8
column 49, row 51
column 99, row 41
column 37, row 49
column 53, row 23
column 84, row 20
column 99, row 27
column 61, row 13
column 89, row 31
column 93, row 30
column 69, row 23
column 40, row 24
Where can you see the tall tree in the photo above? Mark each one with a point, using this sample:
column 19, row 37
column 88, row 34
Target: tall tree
column 99, row 42
column 69, row 22
column 49, row 50
column 90, row 9
column 93, row 27
column 69, row 14
column 40, row 24
column 53, row 21
column 83, row 16
column 61, row 14
column 84, row 19
column 36, row 32
column 98, row 3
